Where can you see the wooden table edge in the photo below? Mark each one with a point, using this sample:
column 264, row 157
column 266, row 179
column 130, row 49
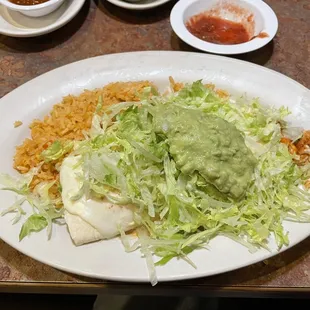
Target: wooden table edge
column 145, row 289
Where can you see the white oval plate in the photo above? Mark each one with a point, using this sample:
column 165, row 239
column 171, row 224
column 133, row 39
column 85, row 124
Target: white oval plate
column 184, row 9
column 107, row 259
column 138, row 5
column 15, row 24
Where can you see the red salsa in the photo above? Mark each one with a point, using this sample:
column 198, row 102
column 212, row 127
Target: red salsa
column 217, row 30
column 263, row 35
column 28, row 2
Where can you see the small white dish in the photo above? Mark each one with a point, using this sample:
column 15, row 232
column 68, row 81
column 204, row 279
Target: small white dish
column 138, row 4
column 37, row 10
column 265, row 19
column 15, row 24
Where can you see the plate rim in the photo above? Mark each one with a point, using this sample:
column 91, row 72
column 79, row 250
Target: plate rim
column 158, row 52
column 137, row 7
column 166, row 278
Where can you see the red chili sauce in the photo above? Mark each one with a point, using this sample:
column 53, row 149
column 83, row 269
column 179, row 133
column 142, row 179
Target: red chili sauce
column 263, row 35
column 217, row 30
column 28, row 2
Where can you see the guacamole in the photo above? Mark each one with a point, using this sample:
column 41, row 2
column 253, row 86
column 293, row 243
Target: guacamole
column 209, row 145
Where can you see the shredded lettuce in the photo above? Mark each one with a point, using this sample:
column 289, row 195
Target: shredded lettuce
column 17, row 209
column 45, row 208
column 20, row 184
column 56, row 150
column 34, row 223
column 127, row 162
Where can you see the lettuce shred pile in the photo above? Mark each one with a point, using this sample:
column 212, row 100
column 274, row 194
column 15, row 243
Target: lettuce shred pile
column 125, row 161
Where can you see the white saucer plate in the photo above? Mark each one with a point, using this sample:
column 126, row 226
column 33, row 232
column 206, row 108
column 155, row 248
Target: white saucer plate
column 15, row 24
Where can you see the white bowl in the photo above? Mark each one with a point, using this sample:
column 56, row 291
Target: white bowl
column 138, row 5
column 36, row 10
column 15, row 24
column 265, row 21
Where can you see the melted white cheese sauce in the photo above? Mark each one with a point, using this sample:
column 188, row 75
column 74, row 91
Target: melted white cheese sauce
column 90, row 220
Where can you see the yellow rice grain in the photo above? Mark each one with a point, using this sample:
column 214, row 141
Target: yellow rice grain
column 17, row 124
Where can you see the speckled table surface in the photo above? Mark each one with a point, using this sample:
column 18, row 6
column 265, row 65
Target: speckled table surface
column 101, row 28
